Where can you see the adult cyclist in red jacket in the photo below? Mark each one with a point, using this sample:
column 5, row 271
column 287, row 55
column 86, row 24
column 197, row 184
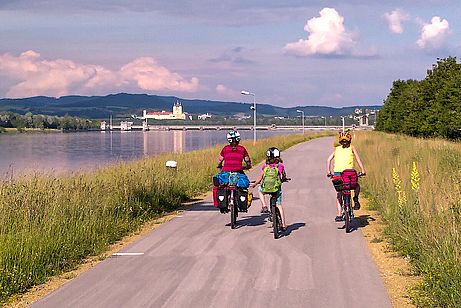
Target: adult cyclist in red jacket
column 233, row 154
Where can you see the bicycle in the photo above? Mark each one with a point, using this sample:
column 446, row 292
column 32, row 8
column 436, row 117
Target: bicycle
column 230, row 196
column 274, row 214
column 343, row 184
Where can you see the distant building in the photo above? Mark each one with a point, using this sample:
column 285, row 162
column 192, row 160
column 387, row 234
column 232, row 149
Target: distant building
column 125, row 125
column 177, row 114
column 204, row 116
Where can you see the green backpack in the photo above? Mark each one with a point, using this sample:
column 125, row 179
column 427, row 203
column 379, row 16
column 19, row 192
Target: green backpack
column 271, row 181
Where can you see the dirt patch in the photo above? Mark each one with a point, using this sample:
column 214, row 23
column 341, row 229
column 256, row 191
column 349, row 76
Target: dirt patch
column 40, row 291
column 395, row 270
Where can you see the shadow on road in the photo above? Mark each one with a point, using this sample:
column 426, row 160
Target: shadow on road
column 203, row 206
column 250, row 221
column 360, row 222
column 363, row 220
column 293, row 227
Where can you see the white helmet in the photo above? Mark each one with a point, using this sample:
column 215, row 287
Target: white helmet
column 232, row 136
column 273, row 153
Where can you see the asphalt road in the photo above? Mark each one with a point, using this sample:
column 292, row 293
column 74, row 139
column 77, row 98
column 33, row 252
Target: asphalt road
column 196, row 260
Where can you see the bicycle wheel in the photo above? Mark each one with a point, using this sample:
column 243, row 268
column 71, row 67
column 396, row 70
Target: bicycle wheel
column 347, row 213
column 275, row 218
column 232, row 210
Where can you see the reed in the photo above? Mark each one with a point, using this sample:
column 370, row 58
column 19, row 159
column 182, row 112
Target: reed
column 415, row 184
column 50, row 224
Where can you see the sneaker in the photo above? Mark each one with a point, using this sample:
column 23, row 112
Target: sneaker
column 339, row 218
column 356, row 203
column 284, row 229
column 264, row 209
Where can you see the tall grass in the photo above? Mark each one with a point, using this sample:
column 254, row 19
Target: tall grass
column 415, row 183
column 48, row 225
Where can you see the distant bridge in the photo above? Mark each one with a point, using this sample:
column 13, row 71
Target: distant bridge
column 224, row 127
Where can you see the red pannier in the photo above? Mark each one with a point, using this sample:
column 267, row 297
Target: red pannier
column 349, row 178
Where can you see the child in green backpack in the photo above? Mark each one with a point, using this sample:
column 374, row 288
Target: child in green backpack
column 273, row 162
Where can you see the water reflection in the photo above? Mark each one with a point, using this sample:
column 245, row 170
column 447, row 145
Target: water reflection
column 60, row 152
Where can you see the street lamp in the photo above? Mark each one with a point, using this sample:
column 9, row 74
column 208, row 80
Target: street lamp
column 325, row 118
column 342, row 118
column 302, row 113
column 254, row 113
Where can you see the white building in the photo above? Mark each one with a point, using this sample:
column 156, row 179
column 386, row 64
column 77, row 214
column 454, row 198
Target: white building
column 177, row 114
column 204, row 116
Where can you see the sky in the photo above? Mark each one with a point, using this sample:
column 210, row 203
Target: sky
column 287, row 53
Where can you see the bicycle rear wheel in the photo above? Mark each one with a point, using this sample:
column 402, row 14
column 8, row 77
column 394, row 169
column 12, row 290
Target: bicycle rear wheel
column 233, row 210
column 275, row 218
column 347, row 213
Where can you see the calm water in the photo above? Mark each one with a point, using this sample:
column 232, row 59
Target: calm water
column 63, row 152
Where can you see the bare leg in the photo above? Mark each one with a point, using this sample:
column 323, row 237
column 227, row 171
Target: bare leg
column 282, row 214
column 263, row 199
column 338, row 206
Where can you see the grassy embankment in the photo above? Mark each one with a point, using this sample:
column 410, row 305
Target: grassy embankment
column 415, row 184
column 49, row 225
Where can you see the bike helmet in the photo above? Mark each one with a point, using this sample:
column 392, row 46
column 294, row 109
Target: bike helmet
column 344, row 136
column 273, row 153
column 233, row 136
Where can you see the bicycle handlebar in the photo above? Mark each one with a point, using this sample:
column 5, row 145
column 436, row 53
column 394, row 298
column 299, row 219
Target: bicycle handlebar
column 359, row 174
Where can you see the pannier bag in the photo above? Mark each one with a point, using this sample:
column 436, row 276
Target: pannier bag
column 232, row 178
column 250, row 198
column 337, row 182
column 349, row 178
column 242, row 199
column 216, row 181
column 221, row 197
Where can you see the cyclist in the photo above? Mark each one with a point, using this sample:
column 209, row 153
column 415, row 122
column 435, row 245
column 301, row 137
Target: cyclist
column 232, row 155
column 273, row 160
column 343, row 156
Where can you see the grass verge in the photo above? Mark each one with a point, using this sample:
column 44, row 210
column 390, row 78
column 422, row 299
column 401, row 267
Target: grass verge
column 414, row 184
column 48, row 225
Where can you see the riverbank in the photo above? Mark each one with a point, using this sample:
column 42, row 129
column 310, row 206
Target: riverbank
column 49, row 225
column 28, row 130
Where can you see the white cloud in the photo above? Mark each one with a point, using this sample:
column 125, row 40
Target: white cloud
column 29, row 75
column 433, row 34
column 224, row 91
column 395, row 19
column 327, row 36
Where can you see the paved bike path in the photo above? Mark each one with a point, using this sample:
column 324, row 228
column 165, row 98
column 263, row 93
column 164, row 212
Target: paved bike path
column 196, row 260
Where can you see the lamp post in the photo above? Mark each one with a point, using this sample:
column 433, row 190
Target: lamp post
column 302, row 114
column 254, row 112
column 342, row 118
column 325, row 118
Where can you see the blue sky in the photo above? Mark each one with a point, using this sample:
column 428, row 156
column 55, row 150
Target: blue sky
column 289, row 53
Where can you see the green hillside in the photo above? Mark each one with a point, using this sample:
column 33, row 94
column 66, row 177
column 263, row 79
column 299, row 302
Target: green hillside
column 123, row 105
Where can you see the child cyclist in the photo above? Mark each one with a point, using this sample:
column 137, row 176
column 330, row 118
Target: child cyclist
column 273, row 160
column 343, row 157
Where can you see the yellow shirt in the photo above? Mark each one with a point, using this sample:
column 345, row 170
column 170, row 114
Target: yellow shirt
column 344, row 159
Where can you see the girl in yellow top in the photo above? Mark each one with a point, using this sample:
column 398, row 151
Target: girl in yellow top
column 343, row 156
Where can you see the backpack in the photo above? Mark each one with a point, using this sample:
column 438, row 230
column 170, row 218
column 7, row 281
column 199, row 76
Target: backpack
column 271, row 180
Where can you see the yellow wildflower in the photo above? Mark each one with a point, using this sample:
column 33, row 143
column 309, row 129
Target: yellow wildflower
column 402, row 198
column 415, row 178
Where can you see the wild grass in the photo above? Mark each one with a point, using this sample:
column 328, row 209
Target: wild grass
column 49, row 224
column 415, row 184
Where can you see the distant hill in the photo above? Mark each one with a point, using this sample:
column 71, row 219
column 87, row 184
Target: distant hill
column 124, row 105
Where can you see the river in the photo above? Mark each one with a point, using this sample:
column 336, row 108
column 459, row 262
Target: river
column 57, row 153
